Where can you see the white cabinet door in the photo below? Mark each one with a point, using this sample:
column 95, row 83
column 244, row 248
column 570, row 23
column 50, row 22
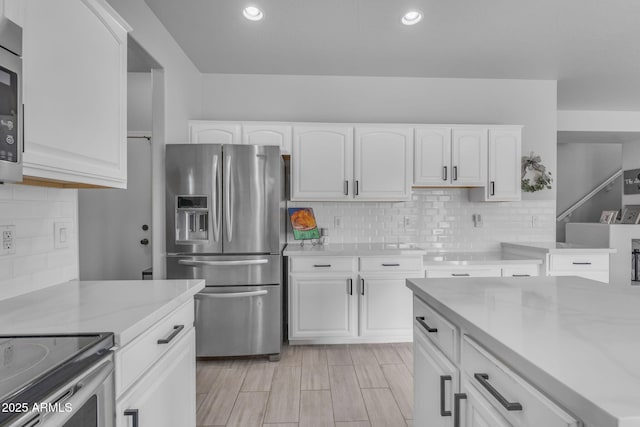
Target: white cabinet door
column 322, row 163
column 383, row 167
column 210, row 132
column 504, row 164
column 154, row 396
column 432, row 156
column 322, row 307
column 478, row 412
column 386, row 307
column 75, row 92
column 268, row 134
column 469, row 157
column 435, row 382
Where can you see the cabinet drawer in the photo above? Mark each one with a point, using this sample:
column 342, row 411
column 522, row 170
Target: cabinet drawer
column 579, row 262
column 390, row 264
column 321, row 264
column 484, row 371
column 465, row 272
column 521, row 271
column 140, row 354
column 437, row 328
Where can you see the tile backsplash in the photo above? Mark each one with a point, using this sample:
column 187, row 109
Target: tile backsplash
column 440, row 220
column 36, row 263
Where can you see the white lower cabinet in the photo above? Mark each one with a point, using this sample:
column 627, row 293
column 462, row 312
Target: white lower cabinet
column 156, row 367
column 322, row 307
column 350, row 299
column 386, row 307
column 165, row 396
column 435, row 383
column 474, row 410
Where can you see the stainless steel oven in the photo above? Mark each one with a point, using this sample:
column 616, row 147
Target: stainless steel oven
column 11, row 138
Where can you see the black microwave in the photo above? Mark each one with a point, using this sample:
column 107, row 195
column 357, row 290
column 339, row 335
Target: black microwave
column 11, row 131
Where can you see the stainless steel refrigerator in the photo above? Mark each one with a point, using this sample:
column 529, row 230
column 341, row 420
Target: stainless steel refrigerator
column 224, row 224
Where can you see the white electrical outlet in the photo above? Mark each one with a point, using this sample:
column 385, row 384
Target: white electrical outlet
column 8, row 239
column 534, row 221
column 337, row 222
column 477, row 220
column 408, row 222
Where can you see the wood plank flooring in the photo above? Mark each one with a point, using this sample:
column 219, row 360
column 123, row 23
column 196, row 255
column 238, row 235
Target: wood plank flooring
column 358, row 385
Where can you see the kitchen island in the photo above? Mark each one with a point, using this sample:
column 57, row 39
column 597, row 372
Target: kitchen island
column 539, row 351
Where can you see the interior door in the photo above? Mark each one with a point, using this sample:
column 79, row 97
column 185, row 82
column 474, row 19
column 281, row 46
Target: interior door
column 113, row 241
column 252, row 177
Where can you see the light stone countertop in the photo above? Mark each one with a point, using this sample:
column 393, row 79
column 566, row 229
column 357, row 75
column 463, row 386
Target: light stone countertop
column 555, row 248
column 574, row 338
column 476, row 258
column 126, row 308
column 353, row 249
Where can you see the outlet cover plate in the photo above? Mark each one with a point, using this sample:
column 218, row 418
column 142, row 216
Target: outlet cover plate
column 61, row 235
column 8, row 235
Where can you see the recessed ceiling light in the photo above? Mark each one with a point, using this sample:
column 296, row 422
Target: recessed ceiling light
column 252, row 13
column 412, row 17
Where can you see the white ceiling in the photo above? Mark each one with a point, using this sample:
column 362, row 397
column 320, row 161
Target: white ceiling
column 589, row 46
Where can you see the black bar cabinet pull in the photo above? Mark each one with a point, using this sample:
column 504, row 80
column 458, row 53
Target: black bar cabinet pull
column 443, row 379
column 456, row 408
column 455, row 173
column 176, row 331
column 581, row 263
column 346, row 187
column 322, row 265
column 390, row 265
column 493, row 188
column 520, row 275
column 350, row 281
column 460, row 274
column 362, row 287
column 444, row 173
column 428, row 328
column 483, row 379
column 357, row 187
column 133, row 413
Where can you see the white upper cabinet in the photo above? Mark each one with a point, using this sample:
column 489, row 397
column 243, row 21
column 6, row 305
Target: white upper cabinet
column 210, row 132
column 322, row 163
column 503, row 181
column 75, row 92
column 268, row 134
column 383, row 167
column 450, row 157
column 432, row 156
column 469, row 157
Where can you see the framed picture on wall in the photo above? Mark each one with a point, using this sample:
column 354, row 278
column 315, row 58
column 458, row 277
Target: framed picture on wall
column 630, row 216
column 608, row 217
column 303, row 224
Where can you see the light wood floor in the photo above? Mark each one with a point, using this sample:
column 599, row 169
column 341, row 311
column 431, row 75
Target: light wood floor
column 364, row 385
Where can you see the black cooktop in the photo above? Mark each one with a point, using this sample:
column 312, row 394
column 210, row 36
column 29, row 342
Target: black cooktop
column 33, row 365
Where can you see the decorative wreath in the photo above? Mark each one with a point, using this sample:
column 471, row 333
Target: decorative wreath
column 534, row 174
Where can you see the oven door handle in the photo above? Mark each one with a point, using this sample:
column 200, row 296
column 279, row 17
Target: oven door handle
column 81, row 390
column 197, row 263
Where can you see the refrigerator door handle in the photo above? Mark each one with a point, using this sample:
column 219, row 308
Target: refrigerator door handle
column 228, row 201
column 215, row 218
column 196, row 263
column 235, row 294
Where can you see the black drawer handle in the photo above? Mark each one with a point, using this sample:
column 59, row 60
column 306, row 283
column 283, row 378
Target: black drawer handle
column 362, row 288
column 581, row 263
column 444, row 173
column 322, row 265
column 350, row 286
column 493, row 188
column 390, row 265
column 428, row 328
column 176, row 331
column 483, row 379
column 443, row 379
column 460, row 274
column 456, row 408
column 521, row 275
column 133, row 413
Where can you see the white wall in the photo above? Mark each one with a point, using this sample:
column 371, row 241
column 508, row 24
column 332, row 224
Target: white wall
column 36, row 264
column 631, row 160
column 531, row 103
column 139, row 102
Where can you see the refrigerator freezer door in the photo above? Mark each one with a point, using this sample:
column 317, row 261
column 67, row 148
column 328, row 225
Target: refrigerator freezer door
column 227, row 270
column 194, row 198
column 252, row 177
column 238, row 321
